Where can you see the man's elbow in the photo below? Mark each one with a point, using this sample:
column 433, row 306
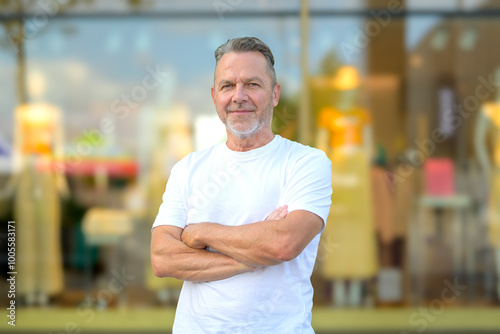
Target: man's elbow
column 160, row 266
column 286, row 252
column 285, row 256
column 158, row 270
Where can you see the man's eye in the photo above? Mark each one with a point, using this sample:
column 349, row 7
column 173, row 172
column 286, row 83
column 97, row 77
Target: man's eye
column 226, row 86
column 253, row 84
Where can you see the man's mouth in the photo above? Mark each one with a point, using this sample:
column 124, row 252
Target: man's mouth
column 241, row 111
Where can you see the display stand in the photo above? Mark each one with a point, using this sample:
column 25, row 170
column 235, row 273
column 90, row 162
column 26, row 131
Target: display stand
column 431, row 208
column 106, row 228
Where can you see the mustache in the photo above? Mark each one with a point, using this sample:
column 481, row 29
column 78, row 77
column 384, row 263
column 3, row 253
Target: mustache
column 241, row 106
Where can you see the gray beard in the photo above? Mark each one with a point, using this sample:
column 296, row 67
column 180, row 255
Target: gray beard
column 249, row 132
column 256, row 128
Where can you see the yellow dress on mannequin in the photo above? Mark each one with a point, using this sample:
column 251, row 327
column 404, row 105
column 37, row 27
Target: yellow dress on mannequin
column 37, row 204
column 492, row 112
column 350, row 224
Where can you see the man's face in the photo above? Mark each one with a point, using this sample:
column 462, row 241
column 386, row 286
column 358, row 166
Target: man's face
column 242, row 93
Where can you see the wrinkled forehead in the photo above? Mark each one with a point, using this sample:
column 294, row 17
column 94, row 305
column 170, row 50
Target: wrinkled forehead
column 241, row 65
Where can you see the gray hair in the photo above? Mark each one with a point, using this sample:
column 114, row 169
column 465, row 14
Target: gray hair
column 248, row 44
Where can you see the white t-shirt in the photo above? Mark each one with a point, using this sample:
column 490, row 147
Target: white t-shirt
column 235, row 188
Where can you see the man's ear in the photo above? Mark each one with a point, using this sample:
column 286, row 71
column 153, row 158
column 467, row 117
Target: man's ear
column 212, row 91
column 276, row 94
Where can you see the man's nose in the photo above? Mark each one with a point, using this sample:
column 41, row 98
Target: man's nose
column 240, row 94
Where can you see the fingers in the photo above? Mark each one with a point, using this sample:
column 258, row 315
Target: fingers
column 278, row 213
column 283, row 212
column 274, row 215
column 188, row 236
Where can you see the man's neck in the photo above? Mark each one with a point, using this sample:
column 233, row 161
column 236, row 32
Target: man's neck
column 235, row 143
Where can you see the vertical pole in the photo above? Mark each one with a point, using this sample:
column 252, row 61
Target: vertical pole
column 20, row 56
column 304, row 134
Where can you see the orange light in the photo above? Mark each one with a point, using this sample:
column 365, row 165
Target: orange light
column 347, row 78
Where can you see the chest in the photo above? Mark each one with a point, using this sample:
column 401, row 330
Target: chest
column 234, row 193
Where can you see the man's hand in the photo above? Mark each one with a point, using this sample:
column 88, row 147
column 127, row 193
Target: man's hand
column 190, row 234
column 279, row 213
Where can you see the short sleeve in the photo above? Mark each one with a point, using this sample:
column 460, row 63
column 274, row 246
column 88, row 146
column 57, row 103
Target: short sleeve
column 309, row 185
column 173, row 209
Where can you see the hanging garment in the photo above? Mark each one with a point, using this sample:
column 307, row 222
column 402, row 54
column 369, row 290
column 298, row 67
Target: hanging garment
column 348, row 248
column 37, row 214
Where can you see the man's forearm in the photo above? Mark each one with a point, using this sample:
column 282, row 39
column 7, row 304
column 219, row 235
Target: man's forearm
column 170, row 257
column 201, row 266
column 256, row 244
column 263, row 243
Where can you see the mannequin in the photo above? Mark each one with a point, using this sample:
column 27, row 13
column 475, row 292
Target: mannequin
column 38, row 145
column 344, row 134
column 489, row 121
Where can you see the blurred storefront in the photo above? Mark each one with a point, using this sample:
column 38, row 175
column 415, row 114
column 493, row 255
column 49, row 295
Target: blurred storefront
column 99, row 99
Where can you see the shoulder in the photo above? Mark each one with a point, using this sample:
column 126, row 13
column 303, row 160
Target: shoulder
column 299, row 152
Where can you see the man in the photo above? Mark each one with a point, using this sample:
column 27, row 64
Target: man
column 244, row 273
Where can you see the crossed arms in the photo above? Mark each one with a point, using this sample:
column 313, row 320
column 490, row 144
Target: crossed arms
column 181, row 253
